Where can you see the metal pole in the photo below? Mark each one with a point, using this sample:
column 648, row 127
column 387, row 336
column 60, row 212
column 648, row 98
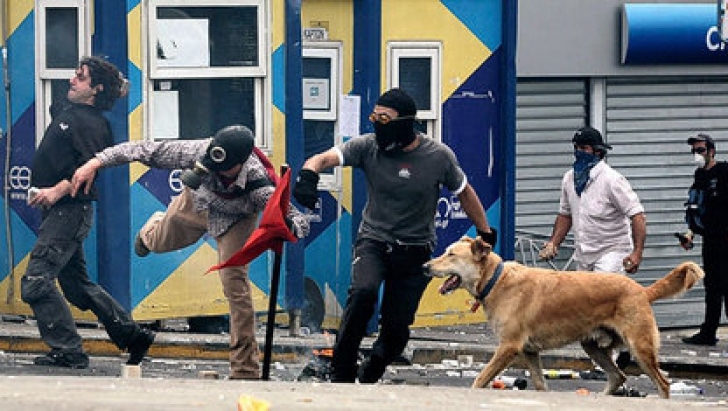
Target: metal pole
column 270, row 325
column 272, row 304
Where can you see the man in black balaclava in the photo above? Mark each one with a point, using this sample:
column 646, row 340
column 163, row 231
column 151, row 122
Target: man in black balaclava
column 394, row 134
column 404, row 173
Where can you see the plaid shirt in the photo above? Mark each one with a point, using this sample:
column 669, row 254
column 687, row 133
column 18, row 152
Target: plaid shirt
column 222, row 212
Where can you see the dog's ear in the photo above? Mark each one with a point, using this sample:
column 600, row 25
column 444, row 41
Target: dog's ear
column 480, row 249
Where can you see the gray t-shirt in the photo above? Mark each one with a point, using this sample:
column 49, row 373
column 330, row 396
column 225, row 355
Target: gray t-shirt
column 403, row 189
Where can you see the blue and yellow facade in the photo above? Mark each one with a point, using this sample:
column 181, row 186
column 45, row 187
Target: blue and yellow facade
column 476, row 118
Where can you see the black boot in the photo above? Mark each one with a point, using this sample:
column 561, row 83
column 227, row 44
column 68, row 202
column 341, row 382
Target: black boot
column 372, row 370
column 139, row 346
column 700, row 339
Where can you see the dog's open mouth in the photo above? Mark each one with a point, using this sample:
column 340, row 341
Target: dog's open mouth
column 450, row 284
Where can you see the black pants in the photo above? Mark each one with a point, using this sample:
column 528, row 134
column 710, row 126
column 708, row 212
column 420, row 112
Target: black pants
column 400, row 269
column 715, row 264
column 58, row 255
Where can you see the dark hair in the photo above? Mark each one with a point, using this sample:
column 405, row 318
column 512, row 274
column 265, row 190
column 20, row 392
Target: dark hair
column 113, row 84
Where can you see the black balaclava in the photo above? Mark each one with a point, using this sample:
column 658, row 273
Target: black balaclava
column 395, row 135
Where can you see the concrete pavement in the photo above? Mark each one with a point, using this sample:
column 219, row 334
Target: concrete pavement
column 427, row 346
column 94, row 393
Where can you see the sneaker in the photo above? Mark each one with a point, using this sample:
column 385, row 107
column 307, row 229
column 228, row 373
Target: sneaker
column 139, row 346
column 139, row 247
column 63, row 358
column 700, row 339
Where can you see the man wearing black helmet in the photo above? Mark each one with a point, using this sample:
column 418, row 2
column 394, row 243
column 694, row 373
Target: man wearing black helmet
column 404, row 172
column 227, row 190
column 708, row 218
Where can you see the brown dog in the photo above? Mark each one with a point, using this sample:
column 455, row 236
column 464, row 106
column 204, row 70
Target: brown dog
column 534, row 309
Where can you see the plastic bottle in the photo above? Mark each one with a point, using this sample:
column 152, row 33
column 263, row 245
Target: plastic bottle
column 680, row 389
column 560, row 374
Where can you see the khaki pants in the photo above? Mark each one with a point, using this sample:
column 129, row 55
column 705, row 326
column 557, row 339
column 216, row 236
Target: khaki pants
column 182, row 226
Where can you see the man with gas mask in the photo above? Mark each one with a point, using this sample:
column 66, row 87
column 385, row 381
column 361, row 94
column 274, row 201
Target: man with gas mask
column 707, row 215
column 607, row 218
column 404, row 172
column 229, row 188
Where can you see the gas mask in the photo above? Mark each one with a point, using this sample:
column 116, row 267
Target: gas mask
column 230, row 146
column 395, row 135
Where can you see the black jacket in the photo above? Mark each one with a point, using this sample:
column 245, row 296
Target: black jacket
column 714, row 184
column 76, row 133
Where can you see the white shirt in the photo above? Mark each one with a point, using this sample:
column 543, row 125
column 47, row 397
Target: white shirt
column 601, row 215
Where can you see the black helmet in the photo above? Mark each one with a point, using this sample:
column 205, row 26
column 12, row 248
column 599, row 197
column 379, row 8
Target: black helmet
column 589, row 136
column 230, row 146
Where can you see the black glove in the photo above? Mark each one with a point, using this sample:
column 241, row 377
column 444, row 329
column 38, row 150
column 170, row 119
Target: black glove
column 490, row 238
column 305, row 191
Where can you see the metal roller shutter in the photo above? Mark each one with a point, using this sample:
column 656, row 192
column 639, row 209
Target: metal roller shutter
column 648, row 122
column 548, row 113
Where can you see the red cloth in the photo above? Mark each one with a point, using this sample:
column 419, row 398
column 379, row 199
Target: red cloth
column 272, row 230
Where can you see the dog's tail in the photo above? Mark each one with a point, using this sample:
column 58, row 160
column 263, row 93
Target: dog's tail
column 679, row 280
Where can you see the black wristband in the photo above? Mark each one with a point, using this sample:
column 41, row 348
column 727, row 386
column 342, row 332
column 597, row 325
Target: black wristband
column 490, row 238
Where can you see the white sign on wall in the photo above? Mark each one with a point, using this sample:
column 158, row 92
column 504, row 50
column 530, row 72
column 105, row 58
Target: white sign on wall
column 349, row 112
column 315, row 34
column 316, row 94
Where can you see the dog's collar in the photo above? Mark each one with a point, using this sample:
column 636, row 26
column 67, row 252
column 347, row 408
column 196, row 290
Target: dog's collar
column 496, row 275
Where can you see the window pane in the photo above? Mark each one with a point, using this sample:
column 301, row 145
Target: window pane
column 316, row 67
column 200, row 107
column 421, row 126
column 318, row 137
column 415, row 77
column 61, row 38
column 207, row 36
column 59, row 96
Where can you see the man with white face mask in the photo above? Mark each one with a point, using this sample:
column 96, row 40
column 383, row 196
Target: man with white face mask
column 706, row 215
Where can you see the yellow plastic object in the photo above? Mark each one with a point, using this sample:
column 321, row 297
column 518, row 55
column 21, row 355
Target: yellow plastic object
column 248, row 403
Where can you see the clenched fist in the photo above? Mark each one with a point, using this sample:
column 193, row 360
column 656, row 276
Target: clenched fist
column 549, row 251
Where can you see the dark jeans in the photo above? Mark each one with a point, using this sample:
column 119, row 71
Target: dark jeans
column 715, row 264
column 400, row 269
column 58, row 255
